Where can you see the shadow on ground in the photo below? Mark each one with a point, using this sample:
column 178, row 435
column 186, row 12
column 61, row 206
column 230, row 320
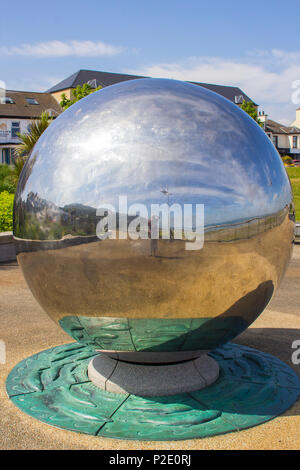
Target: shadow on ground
column 275, row 341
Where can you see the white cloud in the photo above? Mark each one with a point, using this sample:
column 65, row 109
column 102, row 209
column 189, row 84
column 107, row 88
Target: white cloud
column 265, row 76
column 286, row 56
column 62, row 49
column 35, row 83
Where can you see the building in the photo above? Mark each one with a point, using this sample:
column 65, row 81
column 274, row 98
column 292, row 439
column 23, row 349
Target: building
column 17, row 109
column 286, row 139
column 297, row 120
column 104, row 79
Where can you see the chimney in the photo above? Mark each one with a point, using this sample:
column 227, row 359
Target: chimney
column 296, row 123
column 263, row 117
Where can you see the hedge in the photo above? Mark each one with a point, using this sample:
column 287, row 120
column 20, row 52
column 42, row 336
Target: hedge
column 6, row 211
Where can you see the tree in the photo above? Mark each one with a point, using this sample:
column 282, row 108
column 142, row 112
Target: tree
column 36, row 129
column 28, row 141
column 78, row 93
column 250, row 109
column 38, row 126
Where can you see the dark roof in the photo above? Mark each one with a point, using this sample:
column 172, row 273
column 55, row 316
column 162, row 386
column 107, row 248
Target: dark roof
column 104, row 79
column 22, row 109
column 83, row 76
column 277, row 128
column 232, row 93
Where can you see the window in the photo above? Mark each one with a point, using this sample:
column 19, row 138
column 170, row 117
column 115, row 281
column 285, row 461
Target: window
column 7, row 155
column 6, row 100
column 295, row 141
column 94, row 83
column 238, row 99
column 275, row 140
column 32, row 101
column 15, row 129
column 13, row 154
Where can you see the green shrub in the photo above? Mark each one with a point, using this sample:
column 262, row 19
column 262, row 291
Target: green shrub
column 5, row 170
column 8, row 185
column 6, row 211
column 7, row 180
column 287, row 159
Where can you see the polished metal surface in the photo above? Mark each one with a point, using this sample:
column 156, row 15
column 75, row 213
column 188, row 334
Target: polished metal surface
column 154, row 141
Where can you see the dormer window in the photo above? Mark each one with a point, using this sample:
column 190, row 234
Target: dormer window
column 94, row 83
column 238, row 99
column 6, row 100
column 32, row 101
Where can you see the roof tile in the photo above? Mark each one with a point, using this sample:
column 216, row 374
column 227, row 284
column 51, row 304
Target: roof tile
column 22, row 109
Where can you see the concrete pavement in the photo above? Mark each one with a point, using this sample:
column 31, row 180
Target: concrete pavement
column 26, row 330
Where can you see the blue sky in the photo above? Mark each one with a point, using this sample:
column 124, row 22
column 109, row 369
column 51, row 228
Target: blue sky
column 254, row 45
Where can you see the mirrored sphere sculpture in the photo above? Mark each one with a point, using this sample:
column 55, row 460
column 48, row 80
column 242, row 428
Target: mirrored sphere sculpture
column 153, row 142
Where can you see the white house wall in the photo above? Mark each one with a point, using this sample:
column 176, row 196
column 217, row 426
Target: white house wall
column 6, row 129
column 283, row 141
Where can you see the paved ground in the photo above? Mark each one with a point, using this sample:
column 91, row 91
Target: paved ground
column 26, row 330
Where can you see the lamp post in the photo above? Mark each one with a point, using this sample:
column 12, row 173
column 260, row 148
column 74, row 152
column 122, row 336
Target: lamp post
column 166, row 193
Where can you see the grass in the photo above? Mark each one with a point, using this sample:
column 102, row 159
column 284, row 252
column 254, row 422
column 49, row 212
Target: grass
column 294, row 175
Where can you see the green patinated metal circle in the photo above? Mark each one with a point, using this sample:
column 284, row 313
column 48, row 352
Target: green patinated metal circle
column 53, row 387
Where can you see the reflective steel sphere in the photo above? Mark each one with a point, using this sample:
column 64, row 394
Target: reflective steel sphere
column 153, row 141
